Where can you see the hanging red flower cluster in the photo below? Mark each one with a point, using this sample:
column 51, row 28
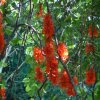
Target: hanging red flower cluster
column 2, row 42
column 3, row 93
column 48, row 26
column 62, row 51
column 64, row 80
column 48, row 50
column 92, row 31
column 37, row 53
column 89, row 48
column 39, row 58
column 40, row 13
column 3, row 2
column 0, row 19
column 51, row 61
column 65, row 83
column 52, row 69
column 39, row 74
column 70, row 92
column 75, row 80
column 90, row 76
column 49, row 47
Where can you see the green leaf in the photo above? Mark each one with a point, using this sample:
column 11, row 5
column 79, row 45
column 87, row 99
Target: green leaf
column 15, row 41
column 29, row 51
column 28, row 88
column 26, row 80
column 3, row 64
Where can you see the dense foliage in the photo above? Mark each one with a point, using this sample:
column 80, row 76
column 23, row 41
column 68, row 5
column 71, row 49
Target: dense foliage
column 49, row 49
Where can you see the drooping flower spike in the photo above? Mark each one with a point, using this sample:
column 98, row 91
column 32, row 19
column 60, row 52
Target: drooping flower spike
column 39, row 74
column 3, row 93
column 37, row 54
column 90, row 76
column 63, row 51
column 48, row 25
column 89, row 48
column 49, row 47
column 75, row 80
column 92, row 31
column 52, row 69
column 66, row 84
column 2, row 42
column 3, row 2
column 40, row 13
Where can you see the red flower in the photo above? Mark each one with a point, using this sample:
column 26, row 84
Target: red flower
column 53, row 62
column 92, row 31
column 47, row 70
column 48, row 26
column 51, row 66
column 40, row 13
column 0, row 17
column 49, row 47
column 1, row 28
column 62, row 51
column 95, row 32
column 2, row 42
column 70, row 92
column 75, row 79
column 3, row 2
column 52, row 69
column 90, row 76
column 3, row 93
column 89, row 48
column 37, row 53
column 64, row 81
column 39, row 74
column 53, row 76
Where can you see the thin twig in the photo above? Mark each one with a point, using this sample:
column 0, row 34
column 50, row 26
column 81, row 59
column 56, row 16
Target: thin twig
column 14, row 72
column 39, row 90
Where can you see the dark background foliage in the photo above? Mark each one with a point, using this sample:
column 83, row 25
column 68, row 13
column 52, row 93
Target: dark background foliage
column 23, row 31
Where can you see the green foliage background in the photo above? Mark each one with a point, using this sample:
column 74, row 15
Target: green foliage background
column 23, row 31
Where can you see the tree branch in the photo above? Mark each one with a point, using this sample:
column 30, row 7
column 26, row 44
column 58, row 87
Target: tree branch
column 39, row 90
